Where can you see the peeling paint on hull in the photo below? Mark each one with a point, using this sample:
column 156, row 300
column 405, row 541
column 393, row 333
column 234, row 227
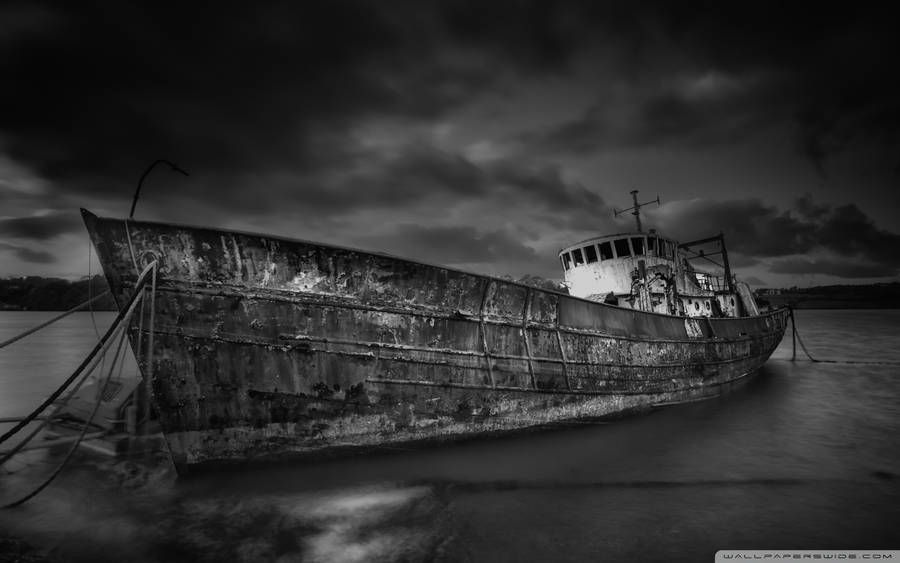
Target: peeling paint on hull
column 267, row 347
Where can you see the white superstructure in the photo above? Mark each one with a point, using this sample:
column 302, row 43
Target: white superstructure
column 650, row 272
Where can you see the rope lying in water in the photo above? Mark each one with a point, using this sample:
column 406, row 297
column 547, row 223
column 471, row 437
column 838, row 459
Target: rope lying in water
column 74, row 309
column 7, row 455
column 796, row 338
column 84, row 429
column 119, row 329
column 126, row 311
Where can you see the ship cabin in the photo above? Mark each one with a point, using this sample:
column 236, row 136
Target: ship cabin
column 650, row 272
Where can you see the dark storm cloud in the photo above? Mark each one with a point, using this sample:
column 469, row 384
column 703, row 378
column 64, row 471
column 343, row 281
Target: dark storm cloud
column 750, row 226
column 809, row 209
column 756, row 230
column 826, row 71
column 841, row 86
column 228, row 89
column 28, row 255
column 838, row 268
column 262, row 106
column 40, row 227
column 100, row 90
column 454, row 245
column 542, row 35
column 848, row 231
column 726, row 113
column 754, row 281
column 23, row 20
column 416, row 173
column 737, row 259
column 546, row 184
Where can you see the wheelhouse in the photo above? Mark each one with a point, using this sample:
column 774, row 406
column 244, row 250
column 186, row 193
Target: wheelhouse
column 600, row 265
column 650, row 272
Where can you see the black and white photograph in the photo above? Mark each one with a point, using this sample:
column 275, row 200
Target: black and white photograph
column 445, row 280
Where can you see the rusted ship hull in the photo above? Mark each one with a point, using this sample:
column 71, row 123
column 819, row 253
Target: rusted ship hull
column 265, row 346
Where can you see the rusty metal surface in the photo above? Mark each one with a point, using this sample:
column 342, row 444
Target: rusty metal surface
column 271, row 346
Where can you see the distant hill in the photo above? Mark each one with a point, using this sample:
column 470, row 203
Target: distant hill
column 876, row 296
column 34, row 293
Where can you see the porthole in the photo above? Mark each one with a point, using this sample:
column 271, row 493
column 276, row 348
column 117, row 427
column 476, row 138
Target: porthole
column 732, row 301
column 707, row 306
column 697, row 305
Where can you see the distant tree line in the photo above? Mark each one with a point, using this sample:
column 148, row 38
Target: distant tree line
column 34, row 293
column 874, row 296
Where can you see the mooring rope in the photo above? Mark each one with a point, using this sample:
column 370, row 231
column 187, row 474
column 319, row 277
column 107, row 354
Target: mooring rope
column 62, row 404
column 74, row 309
column 91, row 308
column 126, row 311
column 121, row 368
column 138, row 357
column 149, row 361
column 130, row 246
column 796, row 338
column 90, row 290
column 120, row 327
column 62, row 464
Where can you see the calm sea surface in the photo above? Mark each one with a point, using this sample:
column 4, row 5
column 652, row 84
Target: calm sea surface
column 805, row 455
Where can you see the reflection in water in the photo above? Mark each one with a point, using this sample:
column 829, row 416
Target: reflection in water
column 367, row 524
column 103, row 513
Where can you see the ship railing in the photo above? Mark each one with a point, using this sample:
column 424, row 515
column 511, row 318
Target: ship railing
column 713, row 282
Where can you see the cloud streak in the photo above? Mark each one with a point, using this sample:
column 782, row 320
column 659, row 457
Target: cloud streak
column 41, row 227
column 27, row 254
column 856, row 247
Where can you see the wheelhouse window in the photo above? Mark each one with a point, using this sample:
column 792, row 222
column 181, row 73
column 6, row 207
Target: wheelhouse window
column 567, row 260
column 622, row 248
column 606, row 250
column 665, row 249
column 637, row 243
column 661, row 248
column 651, row 246
column 577, row 257
column 590, row 253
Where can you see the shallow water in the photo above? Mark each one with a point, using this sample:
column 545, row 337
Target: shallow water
column 805, row 455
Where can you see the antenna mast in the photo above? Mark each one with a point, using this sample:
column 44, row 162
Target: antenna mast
column 636, row 209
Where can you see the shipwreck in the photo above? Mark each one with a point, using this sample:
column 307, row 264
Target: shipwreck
column 265, row 346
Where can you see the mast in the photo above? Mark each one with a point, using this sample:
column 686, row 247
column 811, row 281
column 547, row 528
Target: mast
column 636, row 209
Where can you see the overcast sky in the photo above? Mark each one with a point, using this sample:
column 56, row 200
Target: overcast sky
column 484, row 135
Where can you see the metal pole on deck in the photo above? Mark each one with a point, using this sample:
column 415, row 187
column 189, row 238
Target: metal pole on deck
column 137, row 192
column 637, row 212
column 148, row 383
column 728, row 281
column 793, row 335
